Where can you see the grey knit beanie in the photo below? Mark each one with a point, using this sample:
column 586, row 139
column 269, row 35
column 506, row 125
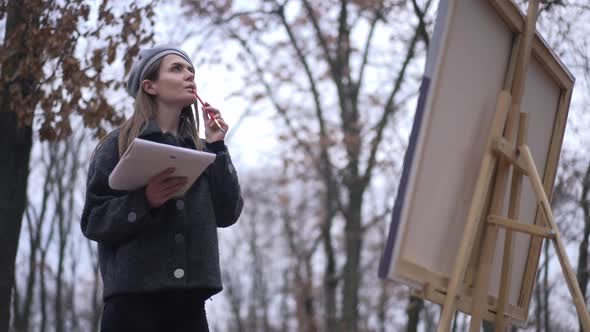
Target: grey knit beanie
column 146, row 58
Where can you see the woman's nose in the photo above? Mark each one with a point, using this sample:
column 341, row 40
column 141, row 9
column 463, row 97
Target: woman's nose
column 190, row 76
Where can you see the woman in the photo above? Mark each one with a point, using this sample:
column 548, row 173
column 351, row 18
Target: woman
column 158, row 256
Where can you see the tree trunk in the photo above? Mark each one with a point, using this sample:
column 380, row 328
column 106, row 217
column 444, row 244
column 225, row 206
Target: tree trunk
column 546, row 310
column 582, row 273
column 62, row 233
column 487, row 326
column 43, row 293
column 384, row 294
column 352, row 276
column 17, row 317
column 43, row 297
column 539, row 301
column 415, row 305
column 330, row 280
column 455, row 323
column 23, row 309
column 285, row 296
column 96, row 296
column 15, row 150
column 236, row 300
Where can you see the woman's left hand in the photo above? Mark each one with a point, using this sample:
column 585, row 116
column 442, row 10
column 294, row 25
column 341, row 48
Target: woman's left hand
column 212, row 132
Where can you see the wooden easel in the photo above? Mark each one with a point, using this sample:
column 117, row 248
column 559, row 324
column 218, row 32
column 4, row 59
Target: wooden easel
column 502, row 152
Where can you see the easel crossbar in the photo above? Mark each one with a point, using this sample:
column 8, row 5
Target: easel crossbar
column 515, row 225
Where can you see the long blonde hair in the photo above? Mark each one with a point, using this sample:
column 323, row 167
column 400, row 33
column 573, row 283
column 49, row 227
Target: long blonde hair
column 145, row 108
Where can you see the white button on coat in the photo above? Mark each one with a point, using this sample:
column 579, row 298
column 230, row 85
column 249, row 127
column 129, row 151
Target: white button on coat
column 180, row 204
column 178, row 273
column 178, row 238
column 131, row 217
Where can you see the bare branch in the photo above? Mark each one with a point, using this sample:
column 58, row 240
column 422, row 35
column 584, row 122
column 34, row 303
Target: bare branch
column 314, row 90
column 238, row 15
column 421, row 24
column 269, row 91
column 320, row 36
column 325, row 163
column 366, row 53
column 389, row 109
column 343, row 43
column 376, row 220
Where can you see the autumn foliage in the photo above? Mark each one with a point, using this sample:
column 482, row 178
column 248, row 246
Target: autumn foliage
column 55, row 57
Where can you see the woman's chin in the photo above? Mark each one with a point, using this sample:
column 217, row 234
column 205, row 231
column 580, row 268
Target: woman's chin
column 184, row 101
column 178, row 101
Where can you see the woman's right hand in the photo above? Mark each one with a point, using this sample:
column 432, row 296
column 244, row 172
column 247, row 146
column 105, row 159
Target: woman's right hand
column 161, row 187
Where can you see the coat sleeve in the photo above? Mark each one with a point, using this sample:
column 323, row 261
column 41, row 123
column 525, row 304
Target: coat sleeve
column 110, row 216
column 225, row 188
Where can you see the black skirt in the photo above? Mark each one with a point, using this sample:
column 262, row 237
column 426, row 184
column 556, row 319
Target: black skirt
column 173, row 311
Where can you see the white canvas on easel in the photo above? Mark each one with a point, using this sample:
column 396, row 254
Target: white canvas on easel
column 467, row 66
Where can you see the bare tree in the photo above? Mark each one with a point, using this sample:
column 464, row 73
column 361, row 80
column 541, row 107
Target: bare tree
column 35, row 218
column 301, row 59
column 42, row 78
column 96, row 300
column 58, row 165
column 65, row 175
column 296, row 210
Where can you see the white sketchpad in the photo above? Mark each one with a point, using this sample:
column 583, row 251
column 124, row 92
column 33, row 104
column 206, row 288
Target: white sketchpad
column 144, row 159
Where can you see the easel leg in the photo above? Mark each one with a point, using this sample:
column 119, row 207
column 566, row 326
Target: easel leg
column 490, row 233
column 513, row 213
column 491, row 230
column 483, row 181
column 570, row 276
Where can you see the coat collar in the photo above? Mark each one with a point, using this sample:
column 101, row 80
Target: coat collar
column 152, row 128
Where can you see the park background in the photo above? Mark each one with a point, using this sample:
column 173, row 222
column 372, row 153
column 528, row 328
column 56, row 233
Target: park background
column 319, row 97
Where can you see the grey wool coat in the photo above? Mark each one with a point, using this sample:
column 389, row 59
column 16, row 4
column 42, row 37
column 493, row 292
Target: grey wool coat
column 172, row 247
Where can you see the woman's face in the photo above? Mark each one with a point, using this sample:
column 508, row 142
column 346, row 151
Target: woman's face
column 176, row 82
